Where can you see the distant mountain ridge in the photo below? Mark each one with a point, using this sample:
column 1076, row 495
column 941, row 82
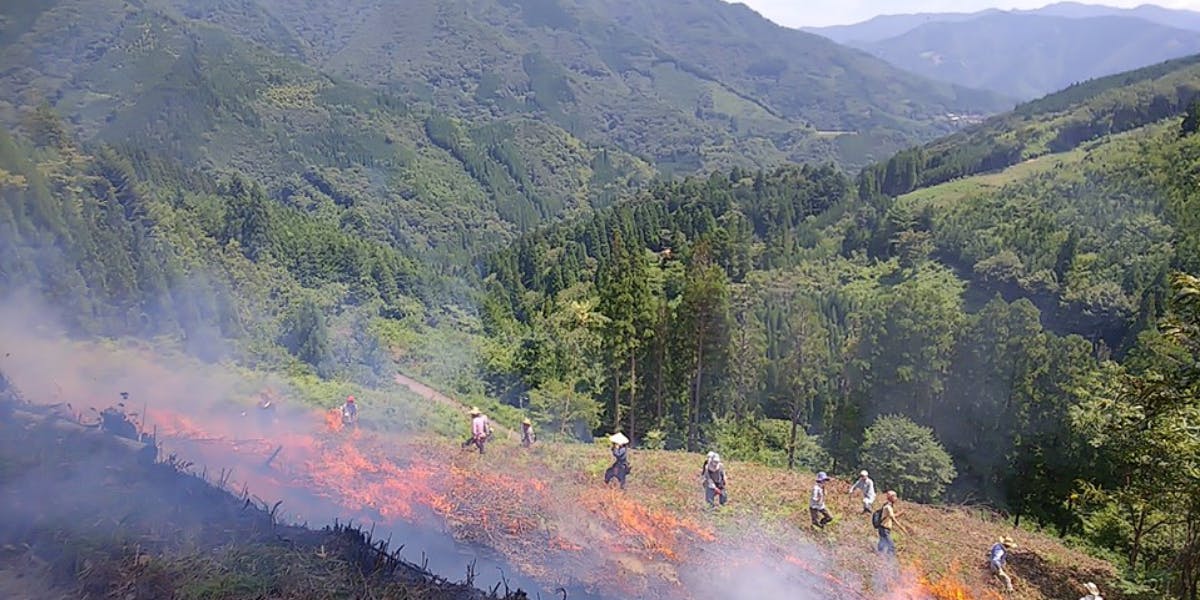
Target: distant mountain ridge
column 683, row 84
column 887, row 26
column 1028, row 55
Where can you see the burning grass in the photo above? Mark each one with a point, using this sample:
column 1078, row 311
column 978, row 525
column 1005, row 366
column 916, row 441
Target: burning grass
column 547, row 511
column 118, row 526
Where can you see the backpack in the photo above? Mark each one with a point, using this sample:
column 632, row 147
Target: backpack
column 877, row 518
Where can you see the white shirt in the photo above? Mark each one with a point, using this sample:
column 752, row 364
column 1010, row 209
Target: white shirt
column 818, row 497
column 867, row 486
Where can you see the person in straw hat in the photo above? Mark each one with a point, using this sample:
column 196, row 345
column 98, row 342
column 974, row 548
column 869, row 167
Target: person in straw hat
column 527, row 432
column 998, row 558
column 481, row 429
column 620, row 467
column 1093, row 592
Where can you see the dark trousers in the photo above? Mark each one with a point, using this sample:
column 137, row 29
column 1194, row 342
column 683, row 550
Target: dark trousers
column 885, row 541
column 820, row 516
column 618, row 470
column 478, row 441
column 712, row 494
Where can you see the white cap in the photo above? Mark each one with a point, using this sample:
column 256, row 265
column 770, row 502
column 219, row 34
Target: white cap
column 862, row 473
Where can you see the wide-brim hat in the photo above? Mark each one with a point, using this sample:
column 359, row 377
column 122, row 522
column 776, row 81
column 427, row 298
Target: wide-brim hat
column 526, row 422
column 1008, row 542
column 1092, row 589
column 474, row 411
column 618, row 439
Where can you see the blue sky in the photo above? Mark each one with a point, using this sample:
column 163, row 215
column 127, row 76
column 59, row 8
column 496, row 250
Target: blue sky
column 800, row 13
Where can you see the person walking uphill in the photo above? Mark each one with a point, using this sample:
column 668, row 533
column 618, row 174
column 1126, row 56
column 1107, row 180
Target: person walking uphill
column 998, row 558
column 885, row 520
column 481, row 430
column 620, row 468
column 713, row 476
column 867, row 487
column 816, row 506
column 527, row 437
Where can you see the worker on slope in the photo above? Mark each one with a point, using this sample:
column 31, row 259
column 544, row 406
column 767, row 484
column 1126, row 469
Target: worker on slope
column 350, row 412
column 1093, row 592
column 884, row 521
column 620, row 468
column 816, row 505
column 481, row 429
column 713, row 476
column 998, row 558
column 527, row 437
column 867, row 487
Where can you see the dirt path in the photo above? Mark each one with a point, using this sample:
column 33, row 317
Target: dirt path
column 431, row 394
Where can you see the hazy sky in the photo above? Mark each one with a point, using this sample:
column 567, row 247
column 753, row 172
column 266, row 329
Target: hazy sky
column 800, row 13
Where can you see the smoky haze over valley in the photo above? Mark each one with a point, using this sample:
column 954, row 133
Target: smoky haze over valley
column 958, row 251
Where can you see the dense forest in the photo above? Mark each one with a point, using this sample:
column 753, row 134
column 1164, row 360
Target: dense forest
column 1028, row 320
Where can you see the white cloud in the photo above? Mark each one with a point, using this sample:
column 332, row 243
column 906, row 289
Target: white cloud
column 800, row 13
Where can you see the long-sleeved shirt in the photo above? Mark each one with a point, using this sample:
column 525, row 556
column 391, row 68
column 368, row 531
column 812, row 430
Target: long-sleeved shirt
column 715, row 477
column 998, row 555
column 818, row 497
column 867, row 486
column 621, row 454
column 480, row 426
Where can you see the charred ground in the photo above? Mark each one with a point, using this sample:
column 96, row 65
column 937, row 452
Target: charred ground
column 84, row 514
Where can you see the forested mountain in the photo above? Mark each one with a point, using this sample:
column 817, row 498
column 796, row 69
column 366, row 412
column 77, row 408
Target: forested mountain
column 1023, row 313
column 1026, row 56
column 191, row 94
column 888, row 26
column 684, row 84
column 1013, row 295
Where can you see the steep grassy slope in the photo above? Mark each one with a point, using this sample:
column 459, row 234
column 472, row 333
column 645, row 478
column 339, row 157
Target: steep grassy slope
column 544, row 510
column 1027, row 56
column 685, row 85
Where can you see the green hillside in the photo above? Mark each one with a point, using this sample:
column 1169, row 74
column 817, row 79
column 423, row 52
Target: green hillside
column 728, row 89
column 191, row 94
column 1028, row 316
column 1002, row 316
column 1056, row 123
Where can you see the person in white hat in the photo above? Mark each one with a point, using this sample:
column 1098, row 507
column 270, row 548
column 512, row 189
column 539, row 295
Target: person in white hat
column 620, row 467
column 1093, row 592
column 816, row 505
column 714, row 480
column 867, row 487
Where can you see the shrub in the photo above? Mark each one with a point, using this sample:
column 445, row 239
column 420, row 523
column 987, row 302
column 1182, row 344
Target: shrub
column 906, row 457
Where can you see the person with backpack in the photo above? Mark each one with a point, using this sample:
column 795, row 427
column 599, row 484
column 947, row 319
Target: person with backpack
column 713, row 475
column 884, row 521
column 620, row 468
column 867, row 487
column 816, row 505
column 998, row 558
